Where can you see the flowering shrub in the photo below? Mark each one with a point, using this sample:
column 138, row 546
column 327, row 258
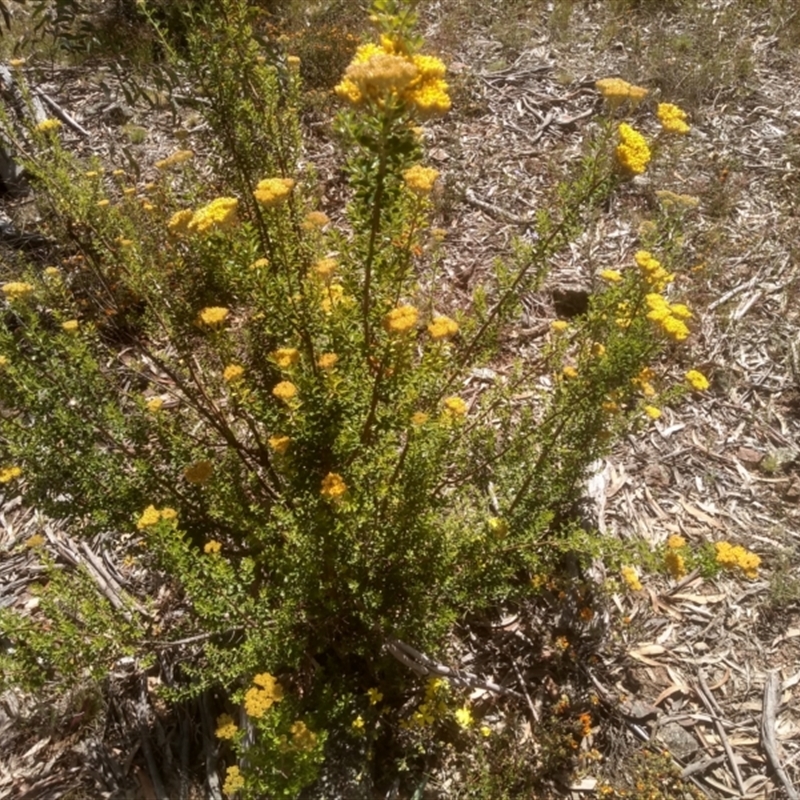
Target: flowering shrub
column 275, row 412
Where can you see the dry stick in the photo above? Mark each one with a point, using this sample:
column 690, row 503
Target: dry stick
column 704, row 693
column 531, row 706
column 423, row 665
column 62, row 115
column 152, row 767
column 772, row 690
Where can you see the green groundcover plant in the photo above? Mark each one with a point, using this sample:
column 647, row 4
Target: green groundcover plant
column 271, row 412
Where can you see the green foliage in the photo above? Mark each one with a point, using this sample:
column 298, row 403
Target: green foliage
column 275, row 410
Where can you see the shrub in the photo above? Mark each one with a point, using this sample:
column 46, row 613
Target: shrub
column 272, row 412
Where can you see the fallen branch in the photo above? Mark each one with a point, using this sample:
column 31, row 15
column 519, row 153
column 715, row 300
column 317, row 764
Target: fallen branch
column 423, row 665
column 772, row 690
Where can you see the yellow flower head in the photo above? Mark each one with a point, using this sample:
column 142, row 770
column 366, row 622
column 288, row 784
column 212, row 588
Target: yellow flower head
column 631, row 578
column 285, row 357
column 103, row 203
column 211, row 548
column 442, row 328
column 375, row 696
column 150, row 516
column 333, row 295
column 199, row 472
column 327, row 361
column 632, row 152
column 260, row 263
column 179, row 222
column 376, row 79
column 419, row 418
column 559, row 326
column 616, row 91
column 420, row 179
column 735, row 556
column 226, row 727
column 652, row 412
column 401, row 319
column 218, row 215
column 285, row 391
column 463, row 717
column 232, row 373
column 48, row 125
column 455, row 407
column 672, row 118
column 676, row 542
column 675, row 563
column 303, row 738
column 280, row 444
column 675, row 329
column 213, row 316
column 272, row 192
column 70, row 326
column 314, row 220
column 8, row 474
column 234, row 780
column 333, row 487
column 325, row 268
column 178, row 157
column 569, row 372
column 611, row 275
column 154, row 404
column 358, row 724
column 17, row 290
column 697, row 380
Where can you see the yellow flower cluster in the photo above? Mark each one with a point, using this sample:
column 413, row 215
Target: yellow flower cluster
column 454, row 407
column 616, row 91
column 442, row 328
column 652, row 270
column 669, row 317
column 154, row 404
column 152, row 516
column 631, row 578
column 285, row 357
column 226, row 727
column 327, row 361
column 303, row 738
column 178, row 157
column 334, row 294
column 232, row 373
column 733, row 556
column 401, row 319
column 672, row 118
column 611, row 275
column 179, row 222
column 280, row 444
column 8, row 474
column 652, row 411
column 673, row 558
column 234, row 780
column 259, row 698
column 420, row 179
column 285, row 390
column 314, row 220
column 632, row 152
column 463, row 717
column 48, row 125
column 433, row 706
column 272, row 192
column 379, row 75
column 212, row 547
column 697, row 380
column 333, row 486
column 218, row 215
column 213, row 315
column 70, row 326
column 199, row 472
column 17, row 290
column 325, row 268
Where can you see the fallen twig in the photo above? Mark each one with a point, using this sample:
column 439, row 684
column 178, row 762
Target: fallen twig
column 704, row 693
column 772, row 690
column 423, row 665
